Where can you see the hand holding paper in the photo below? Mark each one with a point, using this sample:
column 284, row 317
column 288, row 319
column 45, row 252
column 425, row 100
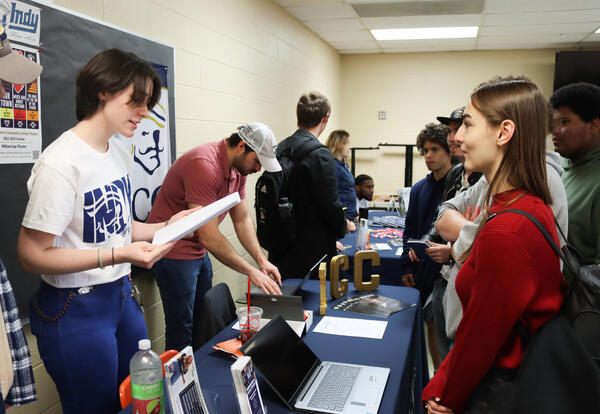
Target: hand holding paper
column 190, row 223
column 182, row 214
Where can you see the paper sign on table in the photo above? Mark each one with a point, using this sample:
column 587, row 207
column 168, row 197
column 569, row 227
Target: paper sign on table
column 362, row 328
column 190, row 223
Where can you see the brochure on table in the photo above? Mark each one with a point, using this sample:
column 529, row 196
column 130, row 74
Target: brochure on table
column 183, row 386
column 246, row 387
column 179, row 229
column 373, row 304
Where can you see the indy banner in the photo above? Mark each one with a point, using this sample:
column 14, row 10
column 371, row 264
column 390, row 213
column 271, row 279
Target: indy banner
column 20, row 120
column 21, row 21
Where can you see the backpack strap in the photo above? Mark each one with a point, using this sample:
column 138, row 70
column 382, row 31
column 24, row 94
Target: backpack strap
column 304, row 149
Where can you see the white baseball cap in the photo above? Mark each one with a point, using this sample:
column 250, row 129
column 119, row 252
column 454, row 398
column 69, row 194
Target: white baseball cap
column 262, row 140
column 14, row 67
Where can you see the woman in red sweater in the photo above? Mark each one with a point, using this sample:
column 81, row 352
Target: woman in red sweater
column 511, row 273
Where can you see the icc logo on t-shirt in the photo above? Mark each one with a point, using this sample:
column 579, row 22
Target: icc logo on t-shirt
column 106, row 211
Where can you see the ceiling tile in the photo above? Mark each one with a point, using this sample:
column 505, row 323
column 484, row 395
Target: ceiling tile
column 449, row 44
column 359, row 51
column 512, row 46
column 504, row 24
column 531, row 39
column 323, row 11
column 335, row 25
column 399, row 22
column 378, row 1
column 294, row 3
column 430, row 48
column 538, row 29
column 358, row 44
column 513, row 6
column 552, row 17
column 592, row 37
column 347, row 36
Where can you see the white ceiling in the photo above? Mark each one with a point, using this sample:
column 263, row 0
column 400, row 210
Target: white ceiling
column 503, row 24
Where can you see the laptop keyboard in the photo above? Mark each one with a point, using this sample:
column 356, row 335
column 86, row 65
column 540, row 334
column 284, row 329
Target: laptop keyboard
column 287, row 289
column 335, row 387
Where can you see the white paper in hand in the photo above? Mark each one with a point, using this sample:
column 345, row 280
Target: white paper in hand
column 191, row 222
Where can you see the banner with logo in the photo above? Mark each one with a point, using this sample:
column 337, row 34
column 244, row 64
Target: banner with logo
column 151, row 151
column 21, row 21
column 20, row 121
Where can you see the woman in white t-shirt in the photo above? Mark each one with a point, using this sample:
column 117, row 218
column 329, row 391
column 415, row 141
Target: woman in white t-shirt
column 78, row 233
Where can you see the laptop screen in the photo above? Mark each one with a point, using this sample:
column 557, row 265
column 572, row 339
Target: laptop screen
column 281, row 356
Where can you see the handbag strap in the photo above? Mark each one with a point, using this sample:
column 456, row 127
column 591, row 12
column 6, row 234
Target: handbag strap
column 542, row 229
column 571, row 263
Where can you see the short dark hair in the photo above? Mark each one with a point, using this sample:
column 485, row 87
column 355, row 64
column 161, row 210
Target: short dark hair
column 311, row 109
column 582, row 98
column 234, row 139
column 111, row 71
column 436, row 133
column 360, row 179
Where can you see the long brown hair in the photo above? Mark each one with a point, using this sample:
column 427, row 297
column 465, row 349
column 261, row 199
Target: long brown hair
column 523, row 166
column 336, row 141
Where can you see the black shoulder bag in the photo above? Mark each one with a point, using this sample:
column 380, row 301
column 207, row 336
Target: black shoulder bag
column 560, row 372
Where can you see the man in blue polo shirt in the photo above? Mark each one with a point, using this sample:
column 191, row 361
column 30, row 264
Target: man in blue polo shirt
column 425, row 197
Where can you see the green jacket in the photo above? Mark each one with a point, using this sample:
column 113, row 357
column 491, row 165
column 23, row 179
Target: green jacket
column 582, row 184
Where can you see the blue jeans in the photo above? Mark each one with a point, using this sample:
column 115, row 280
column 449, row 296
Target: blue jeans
column 87, row 350
column 182, row 285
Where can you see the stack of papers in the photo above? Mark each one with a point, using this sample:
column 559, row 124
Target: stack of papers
column 190, row 223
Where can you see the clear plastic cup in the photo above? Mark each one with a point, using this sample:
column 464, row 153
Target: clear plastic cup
column 249, row 322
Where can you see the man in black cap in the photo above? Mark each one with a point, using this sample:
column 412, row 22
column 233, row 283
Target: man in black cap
column 458, row 179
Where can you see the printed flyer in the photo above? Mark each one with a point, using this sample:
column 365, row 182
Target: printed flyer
column 20, row 121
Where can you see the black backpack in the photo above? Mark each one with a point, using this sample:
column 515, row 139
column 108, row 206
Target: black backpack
column 560, row 372
column 276, row 225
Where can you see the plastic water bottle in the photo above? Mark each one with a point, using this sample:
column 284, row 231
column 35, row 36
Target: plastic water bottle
column 362, row 238
column 145, row 369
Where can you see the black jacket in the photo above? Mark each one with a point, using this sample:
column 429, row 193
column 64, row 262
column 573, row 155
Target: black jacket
column 314, row 195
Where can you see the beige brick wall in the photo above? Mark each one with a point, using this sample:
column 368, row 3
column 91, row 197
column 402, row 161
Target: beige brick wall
column 236, row 61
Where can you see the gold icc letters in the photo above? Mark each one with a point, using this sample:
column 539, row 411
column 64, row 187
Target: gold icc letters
column 339, row 287
column 359, row 258
column 323, row 288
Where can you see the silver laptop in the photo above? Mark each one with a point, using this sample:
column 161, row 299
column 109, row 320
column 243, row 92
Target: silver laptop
column 309, row 384
column 287, row 290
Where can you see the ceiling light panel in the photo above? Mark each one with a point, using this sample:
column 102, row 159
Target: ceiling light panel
column 418, row 8
column 421, row 21
column 426, row 33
